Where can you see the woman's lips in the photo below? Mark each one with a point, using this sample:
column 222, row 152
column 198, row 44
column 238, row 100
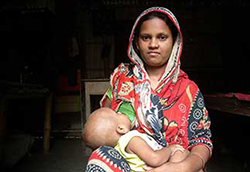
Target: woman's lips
column 153, row 53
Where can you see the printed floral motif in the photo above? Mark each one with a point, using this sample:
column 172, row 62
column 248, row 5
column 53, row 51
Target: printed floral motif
column 182, row 108
column 204, row 123
column 126, row 88
column 171, row 129
column 199, row 123
column 155, row 118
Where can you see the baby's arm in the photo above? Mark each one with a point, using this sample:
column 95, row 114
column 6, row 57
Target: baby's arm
column 152, row 158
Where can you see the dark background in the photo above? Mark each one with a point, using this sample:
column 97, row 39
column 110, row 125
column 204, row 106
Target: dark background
column 35, row 39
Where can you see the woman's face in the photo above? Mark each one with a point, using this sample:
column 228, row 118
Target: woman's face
column 155, row 42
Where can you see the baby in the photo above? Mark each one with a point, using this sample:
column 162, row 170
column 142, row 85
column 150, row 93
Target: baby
column 108, row 128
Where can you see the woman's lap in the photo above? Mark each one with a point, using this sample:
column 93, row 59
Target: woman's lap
column 106, row 159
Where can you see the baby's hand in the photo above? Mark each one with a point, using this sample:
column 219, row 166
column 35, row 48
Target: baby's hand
column 174, row 148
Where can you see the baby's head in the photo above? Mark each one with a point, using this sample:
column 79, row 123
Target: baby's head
column 104, row 127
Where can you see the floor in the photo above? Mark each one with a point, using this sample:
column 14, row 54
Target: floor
column 67, row 155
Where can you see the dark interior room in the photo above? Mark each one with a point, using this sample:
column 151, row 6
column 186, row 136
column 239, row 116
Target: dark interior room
column 56, row 61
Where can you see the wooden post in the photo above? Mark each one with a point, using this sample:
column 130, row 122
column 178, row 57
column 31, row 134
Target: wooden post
column 3, row 104
column 47, row 123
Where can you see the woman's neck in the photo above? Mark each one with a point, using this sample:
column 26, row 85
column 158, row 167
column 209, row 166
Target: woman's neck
column 154, row 74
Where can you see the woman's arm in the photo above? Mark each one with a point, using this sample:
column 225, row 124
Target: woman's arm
column 197, row 158
column 107, row 103
column 194, row 162
column 107, row 98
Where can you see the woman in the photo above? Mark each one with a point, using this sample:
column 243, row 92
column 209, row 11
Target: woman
column 157, row 95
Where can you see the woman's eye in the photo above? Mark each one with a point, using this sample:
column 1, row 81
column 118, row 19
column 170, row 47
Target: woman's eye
column 163, row 37
column 145, row 38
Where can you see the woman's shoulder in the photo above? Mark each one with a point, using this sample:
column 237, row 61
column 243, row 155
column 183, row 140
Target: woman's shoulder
column 192, row 89
column 123, row 68
column 192, row 85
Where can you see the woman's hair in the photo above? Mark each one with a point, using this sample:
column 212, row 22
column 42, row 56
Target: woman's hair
column 160, row 15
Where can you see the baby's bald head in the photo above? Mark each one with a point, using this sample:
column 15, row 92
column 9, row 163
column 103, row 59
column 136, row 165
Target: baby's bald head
column 100, row 128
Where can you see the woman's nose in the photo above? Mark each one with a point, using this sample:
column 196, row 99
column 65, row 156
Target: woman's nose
column 153, row 43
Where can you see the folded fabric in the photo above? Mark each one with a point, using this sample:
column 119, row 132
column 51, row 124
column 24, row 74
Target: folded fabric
column 107, row 159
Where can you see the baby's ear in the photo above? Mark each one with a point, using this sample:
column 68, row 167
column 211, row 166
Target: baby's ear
column 121, row 129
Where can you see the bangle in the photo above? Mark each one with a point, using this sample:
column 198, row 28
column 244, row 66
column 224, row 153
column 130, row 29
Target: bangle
column 202, row 159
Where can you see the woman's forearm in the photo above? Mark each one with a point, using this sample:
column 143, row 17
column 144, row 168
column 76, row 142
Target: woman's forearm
column 194, row 161
column 197, row 158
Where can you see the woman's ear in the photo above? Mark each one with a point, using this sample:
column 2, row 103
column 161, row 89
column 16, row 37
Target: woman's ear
column 136, row 43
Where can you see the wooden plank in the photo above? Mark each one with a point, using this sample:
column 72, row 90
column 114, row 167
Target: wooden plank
column 229, row 105
column 3, row 106
column 47, row 123
column 94, row 88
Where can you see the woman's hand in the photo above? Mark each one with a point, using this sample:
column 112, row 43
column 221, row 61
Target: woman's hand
column 175, row 148
column 194, row 161
column 169, row 167
column 176, row 162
